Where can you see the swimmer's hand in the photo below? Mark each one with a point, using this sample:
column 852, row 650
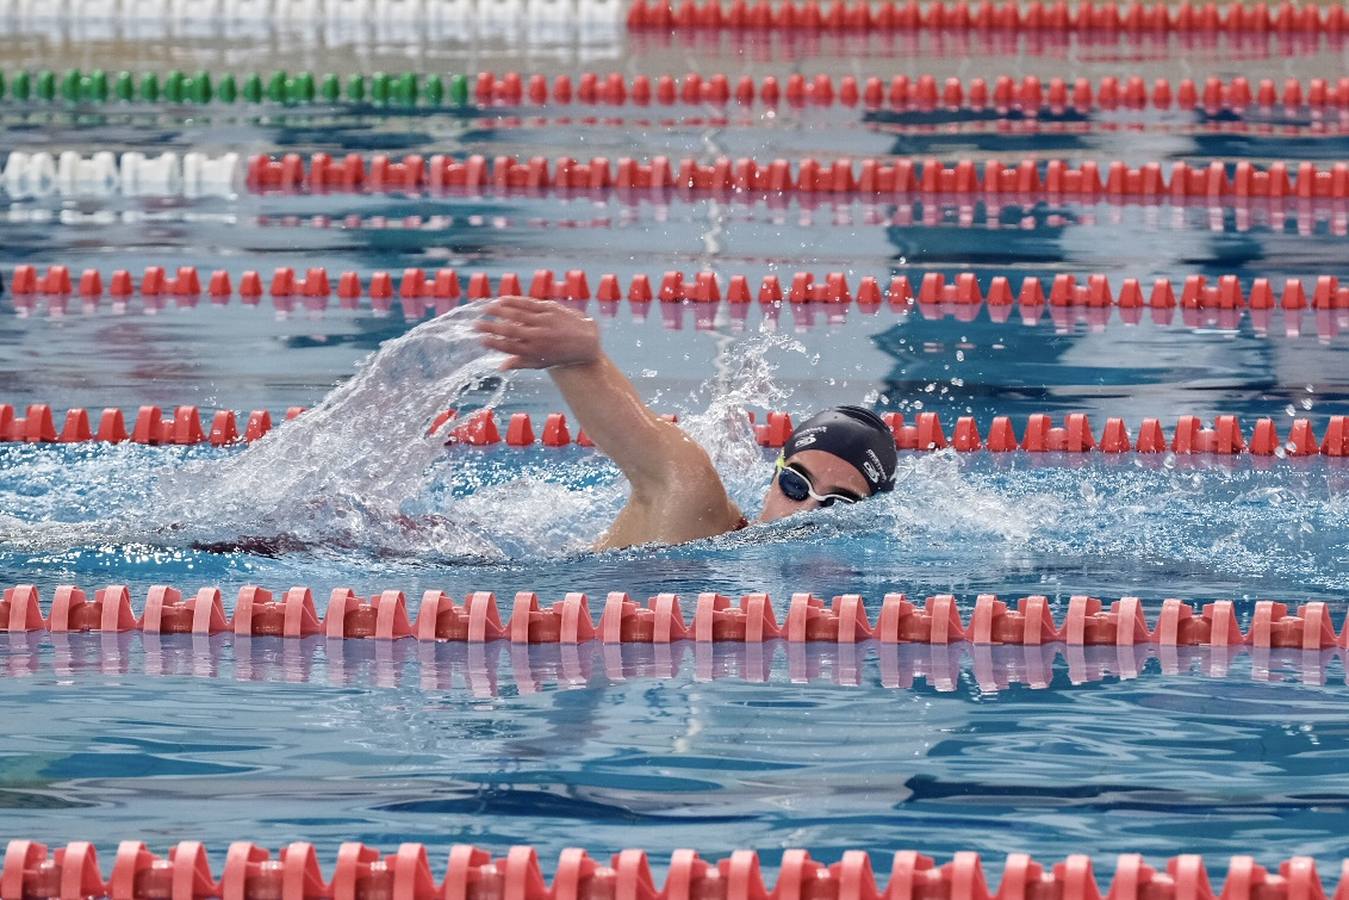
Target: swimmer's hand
column 538, row 334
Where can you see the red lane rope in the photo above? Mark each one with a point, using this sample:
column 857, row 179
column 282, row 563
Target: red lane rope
column 184, row 426
column 661, row 620
column 1329, row 323
column 799, row 47
column 748, row 179
column 1040, row 434
column 843, row 212
column 364, row 873
column 479, row 669
column 1106, row 18
column 1224, row 292
column 1027, row 93
column 1000, row 123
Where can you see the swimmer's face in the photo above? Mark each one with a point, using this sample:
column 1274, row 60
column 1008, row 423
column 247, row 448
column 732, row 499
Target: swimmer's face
column 828, row 474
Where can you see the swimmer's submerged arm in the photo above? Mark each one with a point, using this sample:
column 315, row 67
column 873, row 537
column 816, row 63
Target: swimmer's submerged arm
column 677, row 494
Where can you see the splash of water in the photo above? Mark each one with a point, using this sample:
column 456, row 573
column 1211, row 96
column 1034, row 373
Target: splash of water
column 343, row 472
column 358, row 471
column 359, row 474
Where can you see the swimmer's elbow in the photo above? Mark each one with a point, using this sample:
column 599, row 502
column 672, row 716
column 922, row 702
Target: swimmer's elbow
column 689, row 471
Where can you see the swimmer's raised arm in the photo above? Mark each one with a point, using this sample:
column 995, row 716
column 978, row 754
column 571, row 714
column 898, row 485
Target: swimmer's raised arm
column 677, row 494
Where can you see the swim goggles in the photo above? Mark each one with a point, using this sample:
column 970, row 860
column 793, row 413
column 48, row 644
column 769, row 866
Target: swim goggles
column 795, row 486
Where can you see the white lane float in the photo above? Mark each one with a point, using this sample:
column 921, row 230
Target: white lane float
column 36, row 174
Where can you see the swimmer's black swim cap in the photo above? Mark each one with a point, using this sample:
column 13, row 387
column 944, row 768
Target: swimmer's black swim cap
column 855, row 435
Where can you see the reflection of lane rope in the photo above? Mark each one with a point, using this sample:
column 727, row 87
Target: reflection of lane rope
column 1280, row 215
column 1203, row 301
column 734, row 317
column 480, row 668
column 716, row 618
column 364, row 873
column 1276, row 126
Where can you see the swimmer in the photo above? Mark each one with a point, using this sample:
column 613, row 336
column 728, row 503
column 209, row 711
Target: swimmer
column 844, row 454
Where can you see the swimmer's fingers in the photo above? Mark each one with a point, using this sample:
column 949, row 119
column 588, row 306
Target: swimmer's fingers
column 507, row 328
column 538, row 333
column 514, row 349
column 519, row 307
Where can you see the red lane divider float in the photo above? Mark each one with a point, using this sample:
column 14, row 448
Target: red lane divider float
column 774, row 46
column 1040, row 433
column 364, row 873
column 1101, row 18
column 933, row 288
column 661, row 620
column 1328, row 324
column 1028, row 93
column 479, row 667
column 184, row 426
column 748, row 178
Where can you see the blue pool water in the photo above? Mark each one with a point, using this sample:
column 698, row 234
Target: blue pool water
column 112, row 737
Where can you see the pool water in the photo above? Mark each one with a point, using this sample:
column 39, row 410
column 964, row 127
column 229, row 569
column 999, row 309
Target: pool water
column 1094, row 751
